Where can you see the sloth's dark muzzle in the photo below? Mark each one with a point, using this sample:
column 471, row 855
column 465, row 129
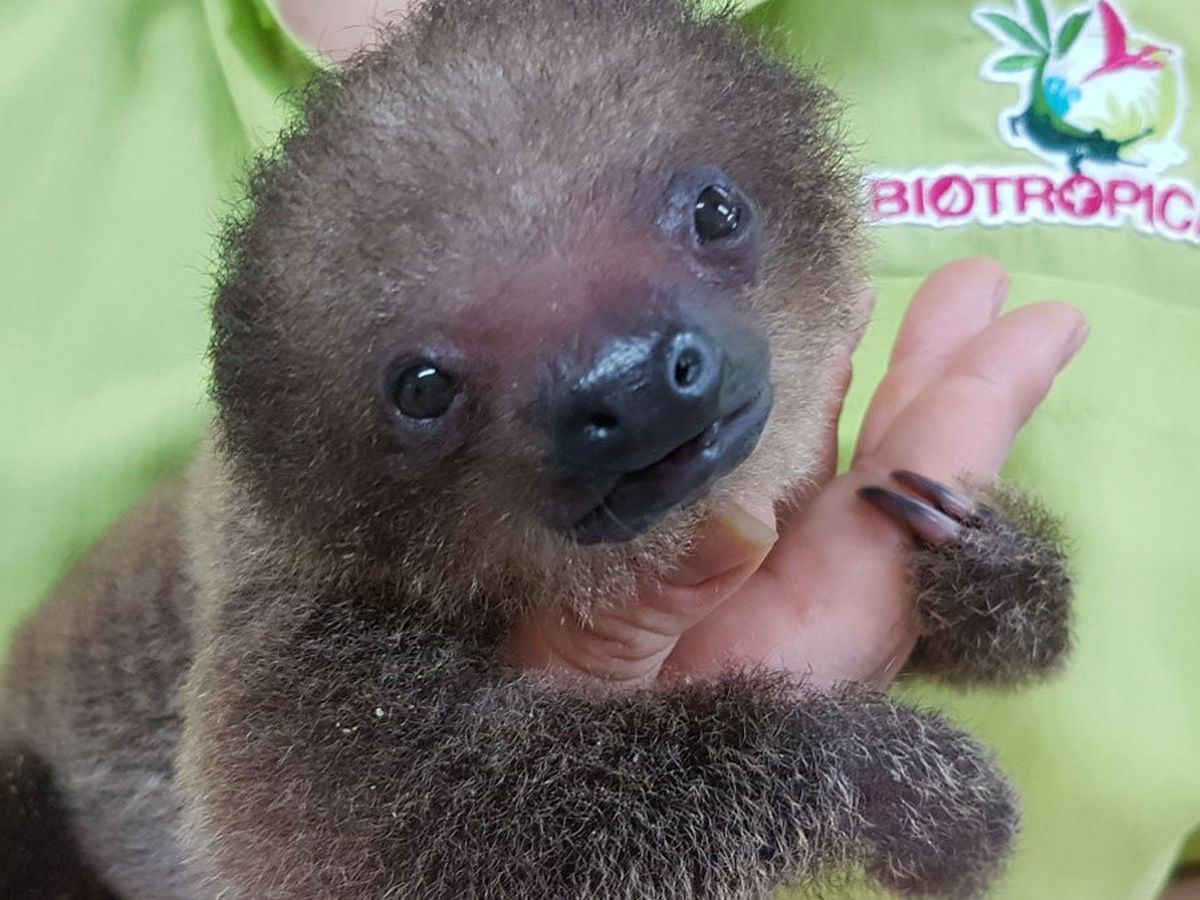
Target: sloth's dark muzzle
column 653, row 421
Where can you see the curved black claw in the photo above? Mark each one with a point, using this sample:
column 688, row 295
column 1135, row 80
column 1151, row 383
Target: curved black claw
column 948, row 500
column 929, row 525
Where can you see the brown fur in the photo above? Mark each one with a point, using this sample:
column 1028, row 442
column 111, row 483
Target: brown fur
column 996, row 607
column 537, row 131
column 91, row 688
column 281, row 680
column 42, row 860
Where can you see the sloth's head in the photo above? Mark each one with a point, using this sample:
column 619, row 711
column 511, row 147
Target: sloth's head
column 530, row 288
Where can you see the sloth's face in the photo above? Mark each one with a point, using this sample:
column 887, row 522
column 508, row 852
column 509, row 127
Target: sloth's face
column 606, row 383
column 515, row 335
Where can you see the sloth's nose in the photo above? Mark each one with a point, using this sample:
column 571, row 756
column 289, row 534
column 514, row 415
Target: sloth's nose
column 645, row 395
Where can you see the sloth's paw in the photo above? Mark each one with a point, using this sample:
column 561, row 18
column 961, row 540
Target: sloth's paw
column 991, row 579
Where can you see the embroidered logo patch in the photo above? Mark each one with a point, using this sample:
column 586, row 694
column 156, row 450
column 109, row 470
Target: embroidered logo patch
column 1099, row 102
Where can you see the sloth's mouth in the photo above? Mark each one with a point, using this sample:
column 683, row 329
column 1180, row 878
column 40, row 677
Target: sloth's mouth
column 637, row 500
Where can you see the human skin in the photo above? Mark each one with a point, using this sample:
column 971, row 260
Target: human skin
column 338, row 28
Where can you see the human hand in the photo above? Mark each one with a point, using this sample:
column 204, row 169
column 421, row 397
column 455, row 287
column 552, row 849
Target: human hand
column 341, row 28
column 818, row 588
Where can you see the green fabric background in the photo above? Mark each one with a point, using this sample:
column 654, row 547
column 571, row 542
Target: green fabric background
column 1105, row 757
column 124, row 125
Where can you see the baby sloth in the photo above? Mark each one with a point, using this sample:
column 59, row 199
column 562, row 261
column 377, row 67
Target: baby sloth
column 528, row 290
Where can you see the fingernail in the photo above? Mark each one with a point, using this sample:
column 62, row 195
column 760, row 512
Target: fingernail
column 748, row 527
column 866, row 298
column 864, row 303
column 1078, row 338
column 731, row 538
column 1000, row 291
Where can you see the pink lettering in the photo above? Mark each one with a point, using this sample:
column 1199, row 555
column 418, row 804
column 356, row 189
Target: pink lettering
column 889, row 198
column 1080, row 196
column 1163, row 209
column 960, row 195
column 918, row 194
column 952, row 197
column 1121, row 195
column 1035, row 187
column 992, row 184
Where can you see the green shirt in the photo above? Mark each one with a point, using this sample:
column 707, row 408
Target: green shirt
column 1105, row 756
column 126, row 124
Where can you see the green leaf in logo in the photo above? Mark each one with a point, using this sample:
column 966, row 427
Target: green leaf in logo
column 1014, row 30
column 1071, row 29
column 1037, row 15
column 1018, row 63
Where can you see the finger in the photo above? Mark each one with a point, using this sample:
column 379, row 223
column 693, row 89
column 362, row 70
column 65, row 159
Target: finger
column 799, row 496
column 736, row 534
column 834, row 587
column 864, row 304
column 968, row 417
column 956, row 303
column 830, row 599
column 827, row 464
column 829, row 453
column 929, row 525
column 945, row 499
column 960, row 299
column 834, row 609
column 626, row 644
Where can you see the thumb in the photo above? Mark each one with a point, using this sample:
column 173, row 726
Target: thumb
column 733, row 537
column 628, row 643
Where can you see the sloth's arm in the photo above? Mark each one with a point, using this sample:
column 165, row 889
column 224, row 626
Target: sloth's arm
column 41, row 853
column 358, row 759
column 993, row 590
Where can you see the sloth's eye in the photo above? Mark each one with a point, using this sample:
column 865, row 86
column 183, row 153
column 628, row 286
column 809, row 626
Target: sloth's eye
column 423, row 391
column 717, row 214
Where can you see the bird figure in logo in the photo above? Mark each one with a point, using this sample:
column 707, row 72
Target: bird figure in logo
column 1096, row 93
column 1117, row 53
